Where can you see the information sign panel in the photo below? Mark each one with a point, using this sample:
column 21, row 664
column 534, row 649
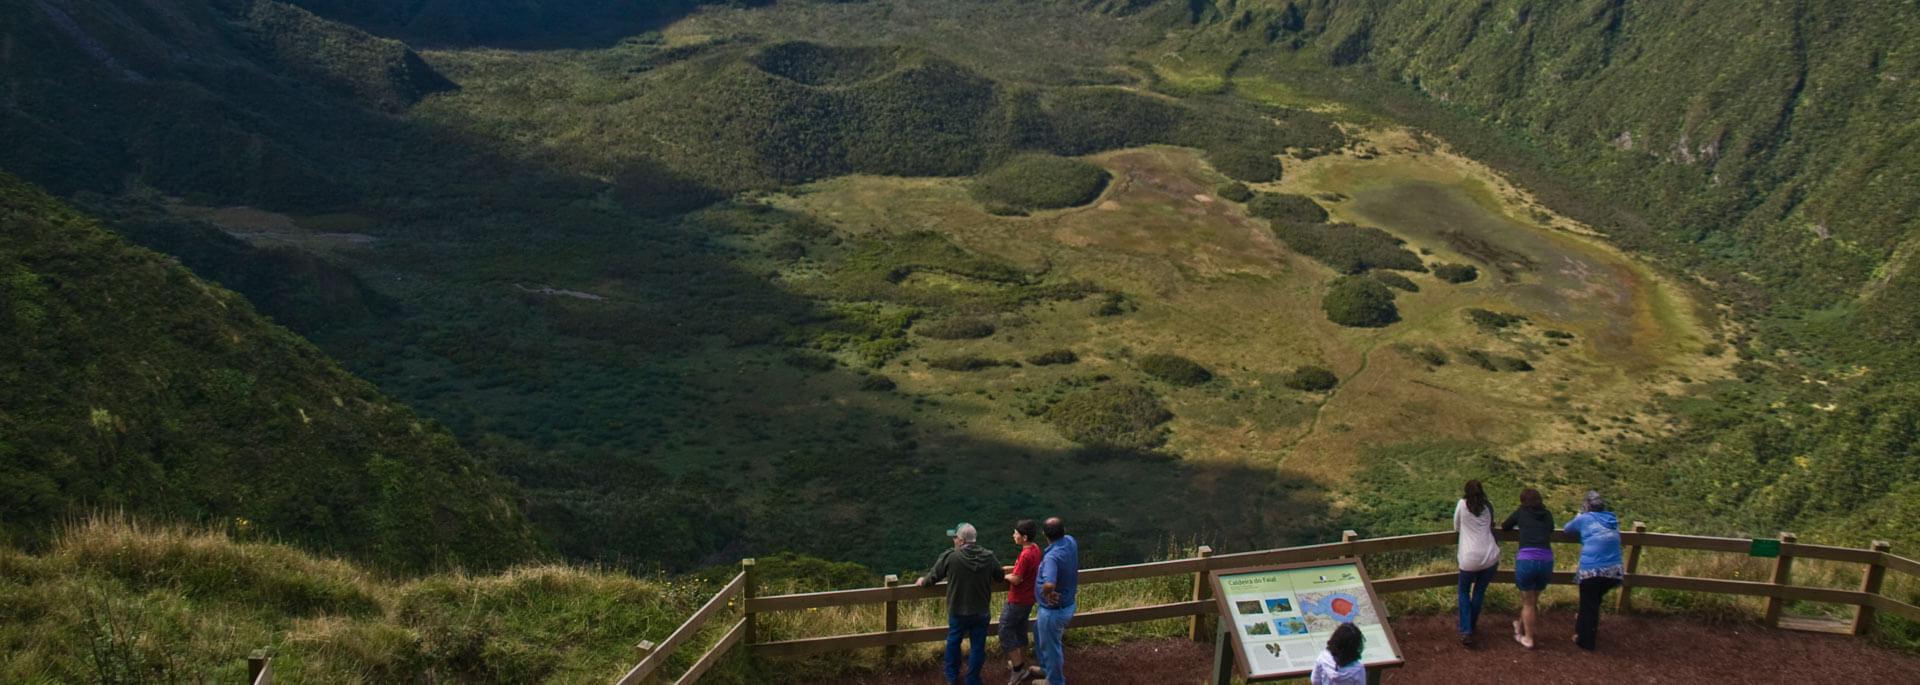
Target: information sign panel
column 1282, row 615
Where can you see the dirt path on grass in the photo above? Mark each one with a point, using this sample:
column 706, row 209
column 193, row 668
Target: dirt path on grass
column 1632, row 650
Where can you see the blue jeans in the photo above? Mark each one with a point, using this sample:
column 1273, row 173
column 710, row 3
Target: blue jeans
column 1473, row 593
column 974, row 628
column 1531, row 575
column 1047, row 633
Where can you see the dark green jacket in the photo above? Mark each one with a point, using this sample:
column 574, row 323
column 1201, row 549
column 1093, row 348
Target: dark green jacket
column 969, row 572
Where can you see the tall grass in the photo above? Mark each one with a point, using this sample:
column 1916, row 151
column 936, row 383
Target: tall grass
column 114, row 600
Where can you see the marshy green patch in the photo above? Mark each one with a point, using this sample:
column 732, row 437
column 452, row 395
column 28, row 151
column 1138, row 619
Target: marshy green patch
column 1035, row 182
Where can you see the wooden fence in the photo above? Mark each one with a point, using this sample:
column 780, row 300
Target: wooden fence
column 1778, row 589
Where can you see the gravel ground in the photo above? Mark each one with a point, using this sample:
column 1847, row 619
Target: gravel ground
column 1633, row 649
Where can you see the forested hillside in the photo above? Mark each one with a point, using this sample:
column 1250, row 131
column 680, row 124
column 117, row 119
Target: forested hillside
column 697, row 275
column 1777, row 144
column 1770, row 152
column 133, row 386
column 236, row 100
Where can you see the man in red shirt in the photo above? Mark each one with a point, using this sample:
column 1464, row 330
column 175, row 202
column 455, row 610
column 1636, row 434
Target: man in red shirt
column 1020, row 580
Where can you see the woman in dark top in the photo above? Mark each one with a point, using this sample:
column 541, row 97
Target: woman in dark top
column 1533, row 566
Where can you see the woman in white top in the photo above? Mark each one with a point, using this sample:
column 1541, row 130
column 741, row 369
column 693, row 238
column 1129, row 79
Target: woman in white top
column 1340, row 663
column 1479, row 555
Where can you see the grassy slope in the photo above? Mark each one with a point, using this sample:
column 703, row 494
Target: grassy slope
column 132, row 384
column 118, row 602
column 1766, row 167
column 538, row 187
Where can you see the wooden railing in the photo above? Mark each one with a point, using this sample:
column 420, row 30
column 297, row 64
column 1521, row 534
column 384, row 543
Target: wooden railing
column 742, row 631
column 740, row 592
column 260, row 666
column 1777, row 591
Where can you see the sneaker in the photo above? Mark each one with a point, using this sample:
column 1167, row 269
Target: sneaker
column 1524, row 642
column 1517, row 631
column 1466, row 639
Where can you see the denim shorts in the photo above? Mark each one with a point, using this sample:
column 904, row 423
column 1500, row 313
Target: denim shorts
column 1531, row 575
column 1013, row 625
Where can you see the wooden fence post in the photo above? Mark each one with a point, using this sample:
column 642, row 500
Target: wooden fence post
column 260, row 667
column 893, row 616
column 1782, row 573
column 1197, row 624
column 1623, row 604
column 1348, row 536
column 1863, row 617
column 747, row 591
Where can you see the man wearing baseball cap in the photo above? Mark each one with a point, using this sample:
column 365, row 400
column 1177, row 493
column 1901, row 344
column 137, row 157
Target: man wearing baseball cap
column 969, row 570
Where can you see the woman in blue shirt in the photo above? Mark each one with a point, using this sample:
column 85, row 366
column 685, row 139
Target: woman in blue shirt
column 1600, row 566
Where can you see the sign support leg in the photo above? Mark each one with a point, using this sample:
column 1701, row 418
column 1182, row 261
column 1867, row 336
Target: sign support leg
column 1222, row 653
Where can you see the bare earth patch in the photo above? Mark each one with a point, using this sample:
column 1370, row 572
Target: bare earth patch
column 1633, row 649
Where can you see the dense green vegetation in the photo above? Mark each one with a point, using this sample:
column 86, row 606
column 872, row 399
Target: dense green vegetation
column 1456, row 273
column 1031, row 182
column 1394, row 280
column 1049, row 357
column 1112, row 415
column 1360, row 302
column 1347, row 248
column 1729, row 167
column 1279, row 207
column 1243, row 164
column 1312, row 379
column 133, row 385
column 1175, row 369
column 691, row 393
column 961, row 328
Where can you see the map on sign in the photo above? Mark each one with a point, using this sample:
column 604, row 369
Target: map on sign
column 1327, row 610
column 1283, row 615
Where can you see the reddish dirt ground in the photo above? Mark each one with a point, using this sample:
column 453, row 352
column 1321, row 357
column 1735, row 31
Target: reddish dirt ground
column 1632, row 649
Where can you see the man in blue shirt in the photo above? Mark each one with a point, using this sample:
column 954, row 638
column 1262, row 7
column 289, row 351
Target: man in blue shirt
column 1059, row 580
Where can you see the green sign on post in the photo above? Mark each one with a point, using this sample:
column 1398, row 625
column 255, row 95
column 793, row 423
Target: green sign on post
column 1764, row 548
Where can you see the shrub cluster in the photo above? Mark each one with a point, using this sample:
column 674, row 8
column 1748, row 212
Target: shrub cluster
column 1246, row 164
column 1116, row 415
column 1456, row 273
column 1394, row 280
column 1234, row 192
column 1281, row 207
column 1433, row 356
column 809, row 361
column 1051, row 357
column 1030, row 182
column 1348, row 248
column 965, row 328
column 820, row 65
column 1491, row 320
column 1493, row 362
column 1359, row 302
column 1175, row 369
column 1312, row 379
column 877, row 383
column 966, row 362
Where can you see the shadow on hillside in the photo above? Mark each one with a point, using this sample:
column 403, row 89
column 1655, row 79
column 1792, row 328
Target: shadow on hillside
column 510, row 24
column 617, row 361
